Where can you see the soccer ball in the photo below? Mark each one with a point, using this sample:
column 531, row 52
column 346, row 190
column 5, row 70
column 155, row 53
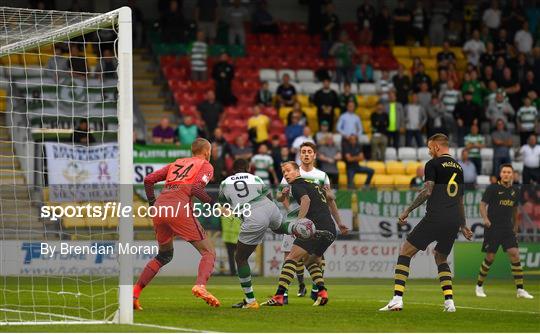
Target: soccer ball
column 303, row 228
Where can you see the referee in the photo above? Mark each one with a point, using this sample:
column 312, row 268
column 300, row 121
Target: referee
column 499, row 210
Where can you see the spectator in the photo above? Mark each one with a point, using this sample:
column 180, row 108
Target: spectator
column 217, row 159
column 379, row 126
column 527, row 120
column 402, row 21
column 446, row 56
column 343, row 51
column 206, row 17
column 297, row 110
column 488, row 58
column 419, row 23
column 531, row 160
column 514, row 17
column 138, row 24
column 536, row 62
column 473, row 48
column 77, row 62
column 365, row 16
column 57, row 65
column 419, row 77
column 501, row 43
column 211, row 111
column 230, row 229
column 493, row 179
column 492, row 16
column 521, row 68
column 285, row 155
column 474, row 143
column 82, row 135
column 172, row 23
column 502, row 142
column 106, row 68
column 328, row 154
column 264, row 95
column 454, row 33
column 349, row 123
column 263, row 164
column 454, row 75
column 163, row 133
column 223, row 74
column 499, row 110
column 415, row 119
column 187, row 131
column 469, row 170
column 487, row 75
column 381, row 29
column 498, row 69
column 437, row 26
column 417, row 182
column 384, row 85
column 330, row 29
column 396, row 120
column 450, row 97
column 294, row 129
column 219, row 142
column 436, row 115
column 352, row 151
column 466, row 113
column 491, row 93
column 263, row 22
column 326, row 100
column 241, row 149
column 530, row 84
column 511, row 87
column 235, row 17
column 258, row 126
column 275, row 153
column 346, row 97
column 402, row 84
column 298, row 141
column 285, row 93
column 199, row 53
column 364, row 70
column 424, row 96
column 473, row 86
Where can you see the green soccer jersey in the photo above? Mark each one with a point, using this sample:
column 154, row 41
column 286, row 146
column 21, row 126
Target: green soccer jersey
column 262, row 164
column 474, row 139
column 527, row 117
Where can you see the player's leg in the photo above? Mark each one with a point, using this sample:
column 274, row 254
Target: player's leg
column 445, row 279
column 300, row 268
column 243, row 252
column 314, row 289
column 483, row 272
column 206, row 267
column 517, row 272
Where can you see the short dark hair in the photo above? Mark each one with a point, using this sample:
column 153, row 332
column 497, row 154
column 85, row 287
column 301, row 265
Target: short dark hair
column 240, row 166
column 309, row 144
column 440, row 138
column 505, row 166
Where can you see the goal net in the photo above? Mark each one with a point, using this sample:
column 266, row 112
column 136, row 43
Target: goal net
column 65, row 150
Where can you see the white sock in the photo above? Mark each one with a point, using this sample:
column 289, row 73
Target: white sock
column 250, row 300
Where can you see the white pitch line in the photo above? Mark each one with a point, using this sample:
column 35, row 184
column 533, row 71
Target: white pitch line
column 471, row 308
column 176, row 329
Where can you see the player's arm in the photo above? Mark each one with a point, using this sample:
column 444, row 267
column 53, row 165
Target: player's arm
column 201, row 180
column 467, row 233
column 517, row 221
column 153, row 178
column 332, row 205
column 423, row 196
column 484, row 215
column 304, row 206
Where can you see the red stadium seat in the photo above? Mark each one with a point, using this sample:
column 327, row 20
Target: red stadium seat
column 167, row 61
column 270, row 112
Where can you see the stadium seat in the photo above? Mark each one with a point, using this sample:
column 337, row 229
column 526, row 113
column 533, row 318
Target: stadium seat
column 359, row 179
column 419, row 51
column 384, row 181
column 390, row 154
column 430, row 64
column 407, row 154
column 309, row 88
column 273, row 85
column 305, row 76
column 423, row 153
column 487, row 167
column 303, row 99
column 377, row 166
column 367, row 89
column 406, row 62
column 267, row 74
column 342, row 167
column 402, row 181
column 486, row 154
column 434, row 50
column 401, row 51
column 291, row 73
column 395, row 167
column 518, row 166
column 411, row 167
column 482, row 180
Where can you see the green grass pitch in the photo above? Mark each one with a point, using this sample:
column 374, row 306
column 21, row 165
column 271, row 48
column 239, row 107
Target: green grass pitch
column 352, row 307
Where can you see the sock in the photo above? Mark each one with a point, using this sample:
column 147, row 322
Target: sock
column 287, row 275
column 206, row 267
column 401, row 273
column 482, row 274
column 517, row 271
column 445, row 278
column 151, row 269
column 244, row 274
column 314, row 287
column 300, row 272
column 316, row 275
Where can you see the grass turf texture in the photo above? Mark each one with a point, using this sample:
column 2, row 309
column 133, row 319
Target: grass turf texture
column 352, row 308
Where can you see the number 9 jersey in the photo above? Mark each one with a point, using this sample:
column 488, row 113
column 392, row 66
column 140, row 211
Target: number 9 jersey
column 242, row 188
column 444, row 203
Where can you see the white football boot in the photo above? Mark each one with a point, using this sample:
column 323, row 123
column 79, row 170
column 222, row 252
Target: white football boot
column 396, row 304
column 521, row 293
column 480, row 292
column 449, row 306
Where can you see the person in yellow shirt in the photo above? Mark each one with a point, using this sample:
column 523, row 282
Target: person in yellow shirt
column 258, row 126
column 230, row 229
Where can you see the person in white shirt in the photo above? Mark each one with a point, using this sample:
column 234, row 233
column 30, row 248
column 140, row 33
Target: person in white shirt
column 523, row 39
column 492, row 16
column 531, row 160
column 473, row 48
column 305, row 137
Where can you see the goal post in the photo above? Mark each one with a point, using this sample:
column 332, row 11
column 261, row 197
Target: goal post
column 45, row 96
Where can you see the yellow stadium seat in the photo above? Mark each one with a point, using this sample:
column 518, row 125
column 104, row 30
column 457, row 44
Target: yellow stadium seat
column 364, row 113
column 383, row 181
column 372, row 100
column 366, row 124
column 311, row 112
column 342, row 179
column 377, row 166
column 30, row 59
column 91, row 61
column 402, row 181
column 341, row 167
column 401, row 51
column 458, row 52
column 73, row 222
column 430, row 63
column 433, row 74
column 303, row 99
column 461, row 64
column 284, row 112
column 360, row 180
column 411, row 167
column 12, row 59
column 434, row 50
column 142, row 221
column 419, row 51
column 406, row 62
column 395, row 167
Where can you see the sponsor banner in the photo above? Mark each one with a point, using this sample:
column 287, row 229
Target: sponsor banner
column 81, row 173
column 99, row 258
column 160, row 153
column 378, row 212
column 468, row 257
column 359, row 259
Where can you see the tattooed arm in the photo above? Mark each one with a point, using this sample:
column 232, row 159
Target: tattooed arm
column 423, row 195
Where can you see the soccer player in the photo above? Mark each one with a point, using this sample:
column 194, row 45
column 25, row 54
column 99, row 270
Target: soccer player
column 313, row 205
column 238, row 190
column 183, row 178
column 499, row 203
column 445, row 216
column 308, row 155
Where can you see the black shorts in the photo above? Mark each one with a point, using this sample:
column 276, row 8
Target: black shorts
column 316, row 246
column 494, row 239
column 428, row 231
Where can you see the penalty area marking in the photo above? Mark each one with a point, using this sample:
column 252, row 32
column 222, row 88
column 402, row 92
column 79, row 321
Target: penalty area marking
column 175, row 329
column 470, row 308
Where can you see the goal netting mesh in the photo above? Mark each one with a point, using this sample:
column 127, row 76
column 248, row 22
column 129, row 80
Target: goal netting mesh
column 59, row 152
